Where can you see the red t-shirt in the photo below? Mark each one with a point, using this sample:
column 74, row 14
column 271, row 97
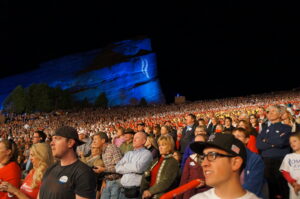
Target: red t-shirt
column 26, row 186
column 10, row 173
column 154, row 171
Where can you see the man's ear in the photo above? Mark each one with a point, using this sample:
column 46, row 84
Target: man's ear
column 71, row 143
column 236, row 163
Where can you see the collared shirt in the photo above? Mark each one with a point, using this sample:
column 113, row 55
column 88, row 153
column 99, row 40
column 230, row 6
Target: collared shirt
column 111, row 155
column 133, row 165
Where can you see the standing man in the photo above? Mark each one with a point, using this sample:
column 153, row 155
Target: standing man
column 84, row 150
column 38, row 137
column 111, row 155
column 69, row 177
column 273, row 142
column 133, row 165
column 188, row 132
column 223, row 158
column 253, row 174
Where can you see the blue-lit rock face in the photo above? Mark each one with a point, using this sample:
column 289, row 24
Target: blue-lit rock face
column 125, row 71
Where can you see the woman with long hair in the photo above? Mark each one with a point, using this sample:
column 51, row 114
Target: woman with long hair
column 41, row 158
column 151, row 145
column 9, row 168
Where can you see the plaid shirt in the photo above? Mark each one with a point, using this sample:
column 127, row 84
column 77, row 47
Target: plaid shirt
column 111, row 155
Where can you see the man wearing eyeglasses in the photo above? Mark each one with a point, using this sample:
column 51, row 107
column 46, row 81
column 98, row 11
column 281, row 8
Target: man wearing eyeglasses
column 223, row 159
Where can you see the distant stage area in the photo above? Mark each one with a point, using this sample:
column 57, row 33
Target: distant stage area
column 125, row 71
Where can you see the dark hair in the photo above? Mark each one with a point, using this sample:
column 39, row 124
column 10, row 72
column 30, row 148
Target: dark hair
column 228, row 118
column 246, row 133
column 192, row 116
column 102, row 135
column 42, row 135
column 296, row 134
column 11, row 145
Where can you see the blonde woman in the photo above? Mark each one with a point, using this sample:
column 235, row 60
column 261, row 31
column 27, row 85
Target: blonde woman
column 162, row 174
column 41, row 158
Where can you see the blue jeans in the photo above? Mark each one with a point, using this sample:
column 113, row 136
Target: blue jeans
column 112, row 189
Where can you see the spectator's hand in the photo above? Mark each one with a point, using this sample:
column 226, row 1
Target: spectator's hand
column 5, row 186
column 99, row 169
column 146, row 194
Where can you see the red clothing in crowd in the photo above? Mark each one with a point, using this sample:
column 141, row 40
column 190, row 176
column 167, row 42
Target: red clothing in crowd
column 252, row 144
column 10, row 173
column 192, row 170
column 26, row 186
column 154, row 171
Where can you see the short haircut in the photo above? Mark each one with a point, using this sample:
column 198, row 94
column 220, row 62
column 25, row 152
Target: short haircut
column 102, row 135
column 168, row 140
column 244, row 131
column 228, row 118
column 42, row 135
column 297, row 134
column 192, row 116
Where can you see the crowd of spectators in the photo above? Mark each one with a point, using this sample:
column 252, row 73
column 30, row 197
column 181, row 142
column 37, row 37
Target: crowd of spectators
column 109, row 134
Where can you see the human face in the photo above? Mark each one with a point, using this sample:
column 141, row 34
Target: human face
column 176, row 156
column 35, row 161
column 128, row 137
column 148, row 143
column 138, row 140
column 200, row 131
column 36, row 138
column 60, row 146
column 97, row 141
column 119, row 132
column 295, row 143
column 140, row 128
column 163, row 130
column 273, row 114
column 95, row 151
column 242, row 125
column 164, row 149
column 189, row 120
column 81, row 136
column 240, row 136
column 253, row 119
column 218, row 171
column 227, row 122
column 4, row 152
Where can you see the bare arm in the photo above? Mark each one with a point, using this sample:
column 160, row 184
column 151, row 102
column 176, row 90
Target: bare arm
column 79, row 197
column 5, row 186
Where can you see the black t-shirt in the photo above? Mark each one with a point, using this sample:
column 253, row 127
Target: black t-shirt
column 65, row 182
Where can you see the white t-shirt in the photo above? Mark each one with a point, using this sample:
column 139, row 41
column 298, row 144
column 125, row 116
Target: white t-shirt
column 291, row 164
column 210, row 194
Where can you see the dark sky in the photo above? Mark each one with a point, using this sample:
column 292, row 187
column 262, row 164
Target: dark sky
column 205, row 49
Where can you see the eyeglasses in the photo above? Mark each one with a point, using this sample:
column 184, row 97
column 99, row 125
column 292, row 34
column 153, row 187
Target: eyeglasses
column 211, row 156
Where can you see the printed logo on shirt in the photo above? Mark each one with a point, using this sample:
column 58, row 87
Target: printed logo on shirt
column 192, row 163
column 63, row 179
column 294, row 163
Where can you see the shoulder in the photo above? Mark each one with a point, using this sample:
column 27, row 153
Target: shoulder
column 285, row 127
column 249, row 195
column 209, row 194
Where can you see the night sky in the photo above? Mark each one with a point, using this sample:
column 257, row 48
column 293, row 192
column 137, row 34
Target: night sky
column 205, row 49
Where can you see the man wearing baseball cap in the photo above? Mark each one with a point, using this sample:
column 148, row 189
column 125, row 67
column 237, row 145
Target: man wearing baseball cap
column 68, row 177
column 223, row 159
